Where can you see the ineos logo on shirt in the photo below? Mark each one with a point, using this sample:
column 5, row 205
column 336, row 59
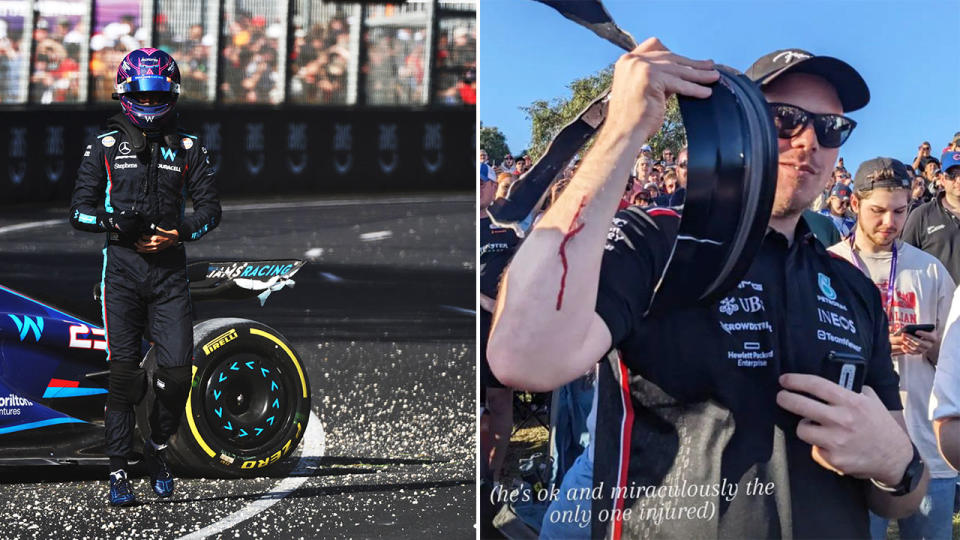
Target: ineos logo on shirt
column 836, row 320
column 124, row 147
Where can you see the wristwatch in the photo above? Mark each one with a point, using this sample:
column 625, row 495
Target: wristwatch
column 911, row 476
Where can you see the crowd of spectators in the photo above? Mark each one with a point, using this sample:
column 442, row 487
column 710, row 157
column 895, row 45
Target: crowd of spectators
column 396, row 65
column 319, row 62
column 56, row 61
column 250, row 59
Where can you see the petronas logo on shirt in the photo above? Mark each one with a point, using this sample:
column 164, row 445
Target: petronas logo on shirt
column 824, row 282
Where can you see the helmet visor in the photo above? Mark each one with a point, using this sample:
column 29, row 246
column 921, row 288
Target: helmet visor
column 148, row 83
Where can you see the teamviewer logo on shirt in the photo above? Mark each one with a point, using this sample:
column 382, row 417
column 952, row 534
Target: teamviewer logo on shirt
column 824, row 282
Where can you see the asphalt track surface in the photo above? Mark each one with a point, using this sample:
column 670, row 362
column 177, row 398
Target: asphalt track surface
column 382, row 318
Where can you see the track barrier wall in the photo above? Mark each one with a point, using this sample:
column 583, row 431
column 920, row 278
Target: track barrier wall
column 260, row 151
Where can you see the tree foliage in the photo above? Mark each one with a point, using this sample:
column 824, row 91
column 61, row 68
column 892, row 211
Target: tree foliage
column 494, row 142
column 548, row 117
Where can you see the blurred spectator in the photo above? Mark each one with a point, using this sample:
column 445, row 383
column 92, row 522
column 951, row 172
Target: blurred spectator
column 456, row 59
column 669, row 188
column 930, row 168
column 56, row 74
column 396, row 64
column 13, row 65
column 251, row 73
column 923, row 156
column 667, row 156
column 642, row 199
column 521, row 165
column 934, row 227
column 319, row 62
column 508, row 165
column 484, row 158
column 836, row 209
column 918, row 194
column 108, row 47
column 505, row 181
column 680, row 195
column 193, row 60
column 954, row 144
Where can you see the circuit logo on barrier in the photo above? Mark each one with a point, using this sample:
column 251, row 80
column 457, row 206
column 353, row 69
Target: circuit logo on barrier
column 27, row 324
column 220, row 341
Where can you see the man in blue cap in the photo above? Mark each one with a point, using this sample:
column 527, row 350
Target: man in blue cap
column 934, row 227
column 836, row 209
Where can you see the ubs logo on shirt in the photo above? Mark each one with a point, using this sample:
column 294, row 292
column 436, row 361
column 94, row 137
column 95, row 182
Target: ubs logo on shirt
column 750, row 304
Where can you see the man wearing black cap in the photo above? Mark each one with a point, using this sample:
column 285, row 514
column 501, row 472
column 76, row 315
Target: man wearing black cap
column 934, row 227
column 730, row 432
column 915, row 289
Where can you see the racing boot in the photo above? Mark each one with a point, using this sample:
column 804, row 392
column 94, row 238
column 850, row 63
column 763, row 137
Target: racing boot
column 160, row 477
column 120, row 492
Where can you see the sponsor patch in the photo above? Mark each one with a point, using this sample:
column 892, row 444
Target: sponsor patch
column 187, row 143
column 746, row 327
column 220, row 341
column 125, row 166
column 168, row 167
column 934, row 228
column 824, row 282
column 836, row 320
column 108, row 141
column 823, row 335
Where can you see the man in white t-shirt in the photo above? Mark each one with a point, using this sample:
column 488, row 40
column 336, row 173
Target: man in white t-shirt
column 945, row 404
column 915, row 288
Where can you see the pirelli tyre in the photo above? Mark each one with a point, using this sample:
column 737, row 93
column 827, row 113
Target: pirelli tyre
column 249, row 401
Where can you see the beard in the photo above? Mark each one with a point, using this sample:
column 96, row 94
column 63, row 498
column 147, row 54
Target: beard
column 880, row 240
column 795, row 192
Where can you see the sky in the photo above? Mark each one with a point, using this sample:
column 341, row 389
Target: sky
column 907, row 51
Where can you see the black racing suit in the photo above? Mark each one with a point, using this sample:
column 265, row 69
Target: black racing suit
column 124, row 170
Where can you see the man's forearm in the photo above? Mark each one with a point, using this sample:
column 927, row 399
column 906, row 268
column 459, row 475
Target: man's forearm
column 546, row 304
column 948, row 439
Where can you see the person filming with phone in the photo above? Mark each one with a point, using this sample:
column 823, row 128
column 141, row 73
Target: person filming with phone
column 916, row 290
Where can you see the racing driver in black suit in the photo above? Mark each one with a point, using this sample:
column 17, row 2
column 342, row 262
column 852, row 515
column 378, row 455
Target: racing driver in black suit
column 131, row 185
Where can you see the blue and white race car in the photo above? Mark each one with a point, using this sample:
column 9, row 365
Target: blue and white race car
column 249, row 401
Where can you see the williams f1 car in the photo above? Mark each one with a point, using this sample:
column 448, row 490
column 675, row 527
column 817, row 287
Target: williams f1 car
column 248, row 406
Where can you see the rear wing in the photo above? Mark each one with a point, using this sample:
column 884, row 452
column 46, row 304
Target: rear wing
column 235, row 280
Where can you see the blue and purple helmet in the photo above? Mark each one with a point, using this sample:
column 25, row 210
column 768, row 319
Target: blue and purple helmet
column 147, row 70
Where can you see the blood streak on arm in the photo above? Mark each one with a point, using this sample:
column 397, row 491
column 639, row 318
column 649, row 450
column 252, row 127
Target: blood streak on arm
column 574, row 228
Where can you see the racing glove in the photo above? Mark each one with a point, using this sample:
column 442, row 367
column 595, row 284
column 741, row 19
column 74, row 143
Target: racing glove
column 125, row 222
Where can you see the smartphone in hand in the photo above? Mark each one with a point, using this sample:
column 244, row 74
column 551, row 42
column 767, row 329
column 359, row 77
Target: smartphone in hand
column 846, row 369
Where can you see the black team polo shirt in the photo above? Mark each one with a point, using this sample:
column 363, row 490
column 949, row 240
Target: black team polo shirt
column 687, row 400
column 934, row 229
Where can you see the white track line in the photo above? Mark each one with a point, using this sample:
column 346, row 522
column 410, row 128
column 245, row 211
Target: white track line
column 458, row 309
column 274, row 206
column 31, row 225
column 314, row 446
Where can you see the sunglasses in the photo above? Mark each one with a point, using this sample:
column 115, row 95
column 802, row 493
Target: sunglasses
column 832, row 129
